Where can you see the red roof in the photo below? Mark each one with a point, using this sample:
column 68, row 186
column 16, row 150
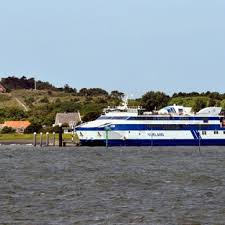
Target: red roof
column 17, row 124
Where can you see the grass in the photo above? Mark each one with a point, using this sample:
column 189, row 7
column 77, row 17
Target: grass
column 31, row 99
column 10, row 103
column 6, row 100
column 35, row 97
column 29, row 137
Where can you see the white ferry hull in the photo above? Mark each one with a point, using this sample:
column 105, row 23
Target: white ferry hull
column 151, row 138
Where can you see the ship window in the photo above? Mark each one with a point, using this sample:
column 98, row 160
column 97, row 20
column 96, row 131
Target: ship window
column 180, row 111
column 216, row 132
column 203, row 132
column 223, row 122
column 224, row 132
column 205, row 121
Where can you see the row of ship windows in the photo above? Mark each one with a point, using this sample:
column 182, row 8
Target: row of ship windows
column 179, row 126
column 204, row 132
column 205, row 119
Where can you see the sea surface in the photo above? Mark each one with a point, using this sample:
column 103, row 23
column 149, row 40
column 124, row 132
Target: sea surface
column 112, row 186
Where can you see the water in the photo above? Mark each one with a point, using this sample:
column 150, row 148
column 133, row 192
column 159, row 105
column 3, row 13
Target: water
column 115, row 186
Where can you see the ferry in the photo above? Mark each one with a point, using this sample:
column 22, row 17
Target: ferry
column 170, row 126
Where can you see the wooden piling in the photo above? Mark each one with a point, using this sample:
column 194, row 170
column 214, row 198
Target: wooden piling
column 47, row 139
column 60, row 135
column 35, row 139
column 53, row 139
column 41, row 139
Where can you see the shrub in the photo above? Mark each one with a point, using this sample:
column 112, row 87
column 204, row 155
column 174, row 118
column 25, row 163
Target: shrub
column 49, row 92
column 7, row 130
column 90, row 116
column 100, row 100
column 34, row 127
column 29, row 100
column 51, row 129
column 44, row 100
column 4, row 97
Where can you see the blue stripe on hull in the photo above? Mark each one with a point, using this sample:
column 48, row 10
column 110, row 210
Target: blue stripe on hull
column 148, row 127
column 181, row 142
column 159, row 118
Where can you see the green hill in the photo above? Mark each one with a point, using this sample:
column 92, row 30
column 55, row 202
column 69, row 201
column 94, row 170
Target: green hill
column 41, row 106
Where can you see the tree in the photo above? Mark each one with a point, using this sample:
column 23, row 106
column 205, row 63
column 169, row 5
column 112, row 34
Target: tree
column 211, row 102
column 199, row 103
column 92, row 92
column 67, row 106
column 90, row 116
column 68, row 89
column 12, row 83
column 83, row 92
column 154, row 100
column 97, row 92
column 117, row 95
column 215, row 95
column 184, row 94
column 222, row 104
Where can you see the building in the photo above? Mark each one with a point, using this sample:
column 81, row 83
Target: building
column 72, row 119
column 19, row 126
column 2, row 89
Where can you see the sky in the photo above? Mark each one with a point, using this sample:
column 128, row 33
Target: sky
column 129, row 45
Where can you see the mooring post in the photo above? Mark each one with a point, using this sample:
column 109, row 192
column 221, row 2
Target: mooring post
column 107, row 138
column 72, row 139
column 35, row 139
column 60, row 135
column 47, row 139
column 107, row 129
column 151, row 139
column 53, row 139
column 41, row 139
